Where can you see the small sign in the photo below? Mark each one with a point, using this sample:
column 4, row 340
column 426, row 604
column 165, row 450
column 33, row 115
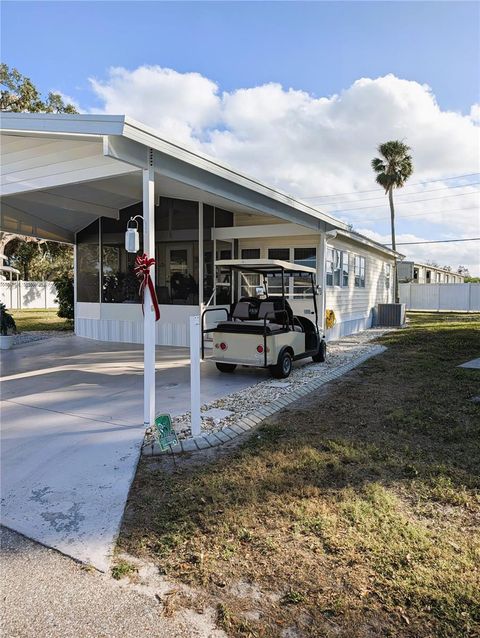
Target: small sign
column 165, row 434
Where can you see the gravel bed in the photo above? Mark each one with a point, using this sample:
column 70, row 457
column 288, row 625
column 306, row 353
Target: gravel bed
column 226, row 411
column 39, row 335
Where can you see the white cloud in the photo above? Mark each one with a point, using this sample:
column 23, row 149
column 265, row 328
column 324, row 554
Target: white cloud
column 310, row 145
column 179, row 105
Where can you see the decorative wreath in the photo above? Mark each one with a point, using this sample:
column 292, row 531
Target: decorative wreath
column 330, row 318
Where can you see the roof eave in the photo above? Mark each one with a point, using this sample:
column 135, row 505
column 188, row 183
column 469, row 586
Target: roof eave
column 124, row 126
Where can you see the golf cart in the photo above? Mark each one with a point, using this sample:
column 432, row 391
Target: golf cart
column 262, row 330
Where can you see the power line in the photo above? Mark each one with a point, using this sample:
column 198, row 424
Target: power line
column 375, row 190
column 430, row 190
column 433, row 212
column 412, row 201
column 436, row 241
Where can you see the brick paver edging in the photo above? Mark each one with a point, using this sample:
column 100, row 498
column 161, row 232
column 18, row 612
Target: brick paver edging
column 246, row 423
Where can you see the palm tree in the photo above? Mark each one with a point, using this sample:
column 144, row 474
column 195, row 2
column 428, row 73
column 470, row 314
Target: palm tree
column 393, row 169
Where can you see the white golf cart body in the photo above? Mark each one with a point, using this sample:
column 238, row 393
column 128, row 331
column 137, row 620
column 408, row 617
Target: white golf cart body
column 262, row 331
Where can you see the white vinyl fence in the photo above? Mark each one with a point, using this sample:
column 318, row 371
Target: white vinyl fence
column 441, row 297
column 28, row 294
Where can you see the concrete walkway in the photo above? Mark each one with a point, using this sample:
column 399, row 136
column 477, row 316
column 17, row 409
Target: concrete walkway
column 49, row 596
column 72, row 425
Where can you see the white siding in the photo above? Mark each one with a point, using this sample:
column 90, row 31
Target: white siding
column 354, row 307
column 123, row 323
column 247, row 219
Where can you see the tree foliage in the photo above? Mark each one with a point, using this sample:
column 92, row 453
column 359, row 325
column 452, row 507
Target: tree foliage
column 35, row 258
column 395, row 165
column 65, row 295
column 392, row 169
column 20, row 95
column 38, row 259
column 7, row 322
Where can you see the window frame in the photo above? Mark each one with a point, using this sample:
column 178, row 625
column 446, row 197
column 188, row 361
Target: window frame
column 360, row 272
column 345, row 260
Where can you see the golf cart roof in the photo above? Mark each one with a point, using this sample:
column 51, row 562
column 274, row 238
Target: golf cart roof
column 264, row 266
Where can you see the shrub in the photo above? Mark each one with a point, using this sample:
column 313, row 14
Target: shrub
column 65, row 296
column 7, row 322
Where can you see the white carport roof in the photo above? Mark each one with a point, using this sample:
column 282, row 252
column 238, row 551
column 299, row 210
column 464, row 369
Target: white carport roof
column 60, row 172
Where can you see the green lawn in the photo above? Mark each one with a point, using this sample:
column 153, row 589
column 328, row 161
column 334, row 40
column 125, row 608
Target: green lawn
column 40, row 320
column 355, row 513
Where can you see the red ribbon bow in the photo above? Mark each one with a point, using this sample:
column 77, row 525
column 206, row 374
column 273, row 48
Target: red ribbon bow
column 142, row 271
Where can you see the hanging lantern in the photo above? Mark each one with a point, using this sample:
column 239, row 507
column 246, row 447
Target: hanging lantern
column 132, row 238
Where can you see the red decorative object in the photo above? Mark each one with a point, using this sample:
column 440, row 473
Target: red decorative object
column 142, row 271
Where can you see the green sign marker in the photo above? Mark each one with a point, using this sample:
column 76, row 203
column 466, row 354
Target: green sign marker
column 164, row 433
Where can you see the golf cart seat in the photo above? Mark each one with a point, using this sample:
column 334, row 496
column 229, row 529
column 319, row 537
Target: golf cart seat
column 278, row 317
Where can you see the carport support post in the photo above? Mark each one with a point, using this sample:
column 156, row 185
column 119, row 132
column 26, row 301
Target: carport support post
column 322, row 278
column 195, row 420
column 149, row 316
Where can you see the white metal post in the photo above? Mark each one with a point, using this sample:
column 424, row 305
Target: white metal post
column 200, row 257
column 149, row 316
column 75, row 277
column 195, row 375
column 322, row 277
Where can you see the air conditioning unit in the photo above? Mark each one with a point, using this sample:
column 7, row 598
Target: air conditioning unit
column 390, row 314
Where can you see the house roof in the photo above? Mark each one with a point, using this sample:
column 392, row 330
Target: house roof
column 60, row 172
column 362, row 239
column 91, row 165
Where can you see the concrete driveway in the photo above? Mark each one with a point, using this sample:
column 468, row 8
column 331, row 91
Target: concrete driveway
column 72, row 426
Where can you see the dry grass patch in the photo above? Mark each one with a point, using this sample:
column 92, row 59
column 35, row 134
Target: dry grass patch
column 355, row 513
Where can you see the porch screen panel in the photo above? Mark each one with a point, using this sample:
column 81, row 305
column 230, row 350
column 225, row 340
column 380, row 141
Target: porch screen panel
column 177, row 251
column 214, row 217
column 119, row 283
column 88, row 263
column 208, row 278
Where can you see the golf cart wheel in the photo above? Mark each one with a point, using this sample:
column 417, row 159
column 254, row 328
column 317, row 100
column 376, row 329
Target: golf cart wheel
column 321, row 355
column 284, row 366
column 226, row 367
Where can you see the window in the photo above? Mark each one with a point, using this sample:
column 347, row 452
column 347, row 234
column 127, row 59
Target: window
column 345, row 268
column 415, row 274
column 275, row 282
column 305, row 257
column 249, row 281
column 329, row 266
column 250, row 253
column 337, row 267
column 388, row 274
column 359, row 271
column 88, row 263
column 282, row 254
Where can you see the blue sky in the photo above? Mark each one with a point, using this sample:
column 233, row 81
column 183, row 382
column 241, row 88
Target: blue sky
column 319, row 47
column 298, row 94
